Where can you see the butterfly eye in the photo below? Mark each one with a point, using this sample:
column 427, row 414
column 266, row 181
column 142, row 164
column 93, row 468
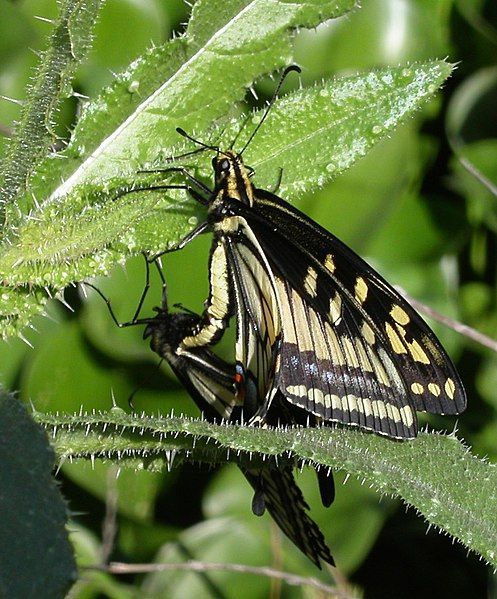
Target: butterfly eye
column 225, row 165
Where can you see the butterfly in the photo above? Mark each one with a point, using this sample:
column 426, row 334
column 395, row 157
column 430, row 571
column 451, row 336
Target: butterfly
column 210, row 381
column 316, row 324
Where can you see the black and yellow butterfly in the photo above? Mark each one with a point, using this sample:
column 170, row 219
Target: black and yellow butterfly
column 315, row 323
column 210, row 381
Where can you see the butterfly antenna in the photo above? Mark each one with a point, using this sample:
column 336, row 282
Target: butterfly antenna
column 289, row 69
column 196, row 141
column 178, row 157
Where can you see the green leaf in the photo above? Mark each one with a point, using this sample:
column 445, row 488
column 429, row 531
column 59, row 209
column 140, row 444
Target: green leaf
column 93, row 584
column 36, row 556
column 434, row 473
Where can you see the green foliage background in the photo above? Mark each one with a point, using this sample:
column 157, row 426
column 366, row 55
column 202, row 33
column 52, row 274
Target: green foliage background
column 409, row 207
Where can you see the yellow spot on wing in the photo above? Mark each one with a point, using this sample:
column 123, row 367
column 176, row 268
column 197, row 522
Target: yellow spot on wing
column 329, row 263
column 393, row 412
column 368, row 333
column 417, row 352
column 407, row 415
column 310, row 282
column 360, row 290
column 352, row 403
column 298, row 390
column 450, row 387
column 316, row 395
column 417, row 388
column 399, row 315
column 434, row 389
column 400, row 344
column 350, row 352
column 363, row 356
column 336, row 308
column 336, row 352
column 395, row 341
column 380, row 408
column 365, row 406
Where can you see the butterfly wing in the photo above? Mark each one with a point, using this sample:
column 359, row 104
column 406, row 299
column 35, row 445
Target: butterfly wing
column 353, row 350
column 209, row 381
column 258, row 322
column 286, row 504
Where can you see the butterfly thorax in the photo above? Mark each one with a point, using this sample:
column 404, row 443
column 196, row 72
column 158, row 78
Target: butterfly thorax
column 233, row 185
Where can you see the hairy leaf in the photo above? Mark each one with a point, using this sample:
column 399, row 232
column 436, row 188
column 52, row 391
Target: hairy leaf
column 437, row 474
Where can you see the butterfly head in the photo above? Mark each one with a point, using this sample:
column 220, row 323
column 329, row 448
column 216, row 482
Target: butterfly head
column 232, row 177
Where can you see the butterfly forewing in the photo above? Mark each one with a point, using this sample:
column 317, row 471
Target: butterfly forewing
column 386, row 321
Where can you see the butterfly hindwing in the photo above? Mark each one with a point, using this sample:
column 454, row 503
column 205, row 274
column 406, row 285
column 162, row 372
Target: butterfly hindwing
column 285, row 502
column 258, row 317
column 337, row 376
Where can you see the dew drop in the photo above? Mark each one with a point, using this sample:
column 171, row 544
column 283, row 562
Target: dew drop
column 377, row 129
column 193, row 220
column 133, row 87
column 331, row 167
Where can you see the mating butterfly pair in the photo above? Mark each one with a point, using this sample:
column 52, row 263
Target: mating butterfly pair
column 319, row 333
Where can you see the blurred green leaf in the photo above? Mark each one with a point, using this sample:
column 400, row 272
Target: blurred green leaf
column 16, row 31
column 94, row 584
column 383, row 32
column 354, row 502
column 136, row 492
column 473, row 12
column 481, row 202
column 471, row 108
column 75, row 381
column 139, row 22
